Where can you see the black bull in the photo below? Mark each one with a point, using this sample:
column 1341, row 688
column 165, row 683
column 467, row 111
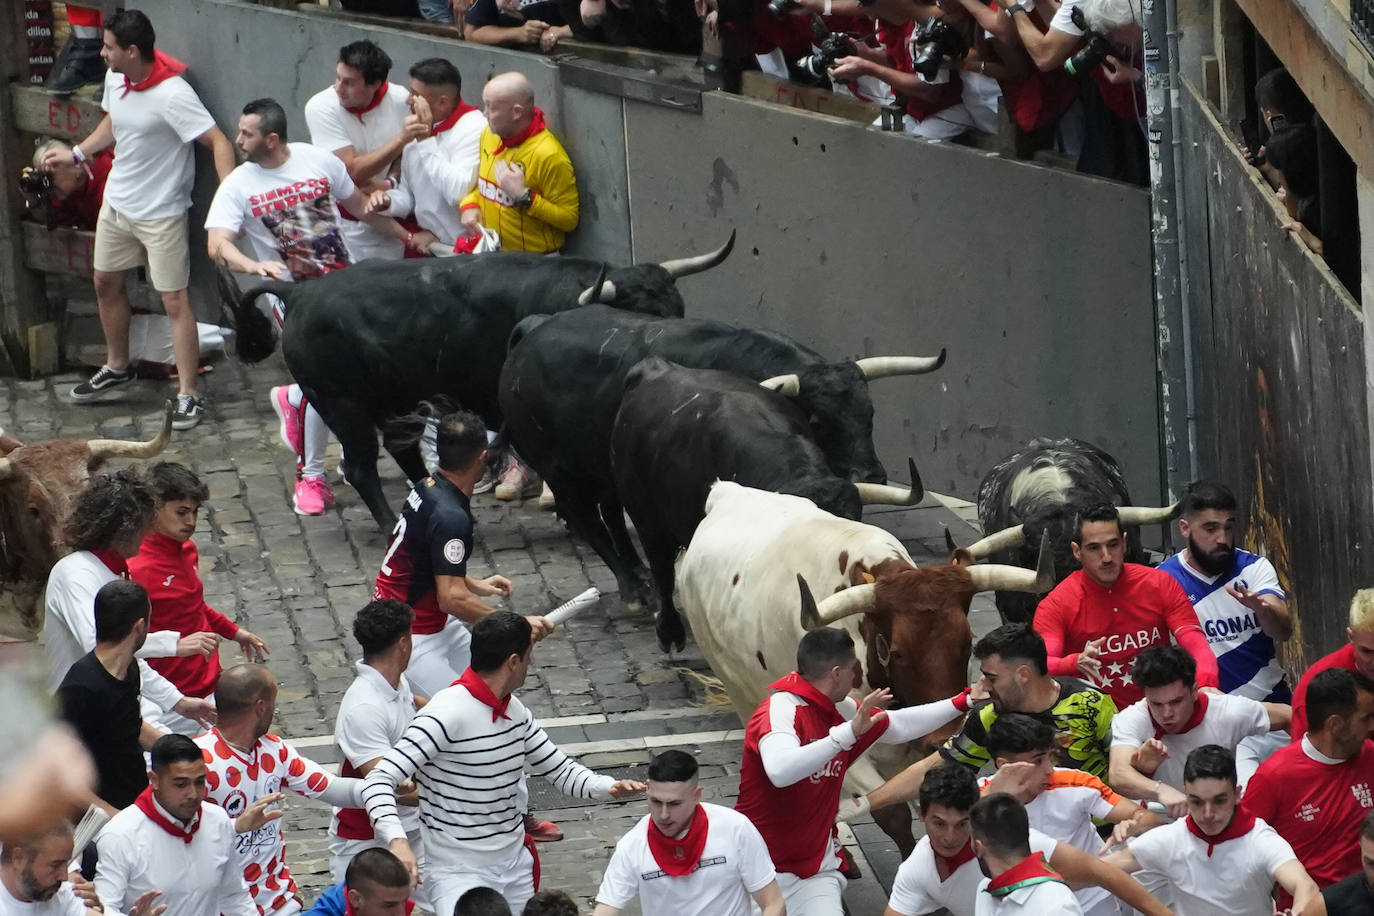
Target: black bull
column 562, row 384
column 679, row 430
column 369, row 342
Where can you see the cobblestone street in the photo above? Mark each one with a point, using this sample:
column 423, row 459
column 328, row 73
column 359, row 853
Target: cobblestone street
column 601, row 686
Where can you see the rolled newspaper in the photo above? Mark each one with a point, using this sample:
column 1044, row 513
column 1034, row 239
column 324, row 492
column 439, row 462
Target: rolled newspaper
column 89, row 828
column 568, row 608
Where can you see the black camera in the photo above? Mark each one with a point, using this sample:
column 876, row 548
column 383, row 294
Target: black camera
column 35, row 182
column 832, row 45
column 937, row 40
column 1096, row 47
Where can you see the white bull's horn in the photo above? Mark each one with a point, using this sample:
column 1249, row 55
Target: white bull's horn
column 789, row 385
column 122, row 448
column 1145, row 515
column 997, row 577
column 685, row 267
column 1005, row 539
column 857, row 599
column 881, row 494
column 876, row 367
column 602, row 290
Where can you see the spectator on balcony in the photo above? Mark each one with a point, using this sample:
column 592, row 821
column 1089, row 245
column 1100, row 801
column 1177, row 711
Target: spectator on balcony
column 1292, row 157
column 76, row 189
column 532, row 24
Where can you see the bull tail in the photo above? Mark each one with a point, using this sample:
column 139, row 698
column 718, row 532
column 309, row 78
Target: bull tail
column 255, row 339
column 404, row 430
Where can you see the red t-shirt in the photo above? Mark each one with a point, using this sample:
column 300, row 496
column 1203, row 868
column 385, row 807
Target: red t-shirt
column 1343, row 657
column 1316, row 806
column 1143, row 608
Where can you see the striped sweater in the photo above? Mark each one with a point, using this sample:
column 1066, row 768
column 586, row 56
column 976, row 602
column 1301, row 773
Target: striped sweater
column 470, row 774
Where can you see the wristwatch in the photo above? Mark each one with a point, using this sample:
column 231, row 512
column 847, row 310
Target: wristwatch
column 1015, row 8
column 525, row 200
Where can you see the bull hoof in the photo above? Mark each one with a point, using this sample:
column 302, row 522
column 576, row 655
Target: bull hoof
column 672, row 636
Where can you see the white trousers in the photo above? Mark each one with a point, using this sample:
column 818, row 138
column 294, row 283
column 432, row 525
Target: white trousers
column 438, row 659
column 446, row 885
column 822, row 894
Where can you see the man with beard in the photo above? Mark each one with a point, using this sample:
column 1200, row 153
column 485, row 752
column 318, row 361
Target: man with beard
column 1240, row 604
column 33, row 878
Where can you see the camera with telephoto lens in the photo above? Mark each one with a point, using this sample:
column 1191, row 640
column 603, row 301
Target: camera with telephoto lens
column 35, row 182
column 1096, row 47
column 937, row 40
column 832, row 45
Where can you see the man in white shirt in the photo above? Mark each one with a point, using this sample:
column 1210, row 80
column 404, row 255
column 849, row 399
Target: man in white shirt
column 34, row 878
column 172, row 844
column 686, row 857
column 1018, row 880
column 151, row 117
column 1220, row 859
column 438, row 171
column 286, row 198
column 1152, row 738
column 362, row 120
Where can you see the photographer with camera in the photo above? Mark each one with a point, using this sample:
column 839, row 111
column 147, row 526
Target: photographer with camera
column 64, row 192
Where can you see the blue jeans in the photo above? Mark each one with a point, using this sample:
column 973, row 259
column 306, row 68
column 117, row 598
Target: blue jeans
column 437, row 10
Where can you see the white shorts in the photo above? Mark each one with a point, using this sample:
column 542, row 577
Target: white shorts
column 822, row 894
column 446, row 885
column 439, row 659
column 122, row 243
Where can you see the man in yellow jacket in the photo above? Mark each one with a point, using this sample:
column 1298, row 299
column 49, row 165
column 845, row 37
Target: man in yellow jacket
column 526, row 189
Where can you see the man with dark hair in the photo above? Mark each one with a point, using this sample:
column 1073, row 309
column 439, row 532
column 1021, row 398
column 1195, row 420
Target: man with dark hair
column 1014, row 676
column 426, row 563
column 1152, row 738
column 797, row 747
column 104, row 530
column 438, row 171
column 168, row 566
column 550, row 903
column 373, row 714
column 151, row 117
column 34, row 878
column 1112, row 609
column 482, row 901
column 474, row 825
column 688, row 857
column 362, row 119
column 375, row 883
column 1316, row 792
column 1244, row 857
column 1281, row 103
column 1018, row 881
column 286, row 198
column 170, row 846
column 1354, row 896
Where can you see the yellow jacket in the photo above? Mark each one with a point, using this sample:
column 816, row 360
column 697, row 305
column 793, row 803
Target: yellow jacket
column 548, row 173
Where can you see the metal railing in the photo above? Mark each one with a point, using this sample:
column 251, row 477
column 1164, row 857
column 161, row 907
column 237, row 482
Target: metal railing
column 1362, row 22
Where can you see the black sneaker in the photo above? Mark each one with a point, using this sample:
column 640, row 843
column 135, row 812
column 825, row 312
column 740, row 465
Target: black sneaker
column 189, row 411
column 104, row 379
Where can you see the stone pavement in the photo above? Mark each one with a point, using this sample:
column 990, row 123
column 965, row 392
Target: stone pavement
column 601, row 686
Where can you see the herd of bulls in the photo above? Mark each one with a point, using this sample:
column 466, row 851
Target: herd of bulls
column 742, row 457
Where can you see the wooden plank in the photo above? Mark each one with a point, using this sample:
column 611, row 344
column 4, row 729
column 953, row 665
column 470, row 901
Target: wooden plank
column 794, row 95
column 44, row 352
column 67, row 117
column 58, row 251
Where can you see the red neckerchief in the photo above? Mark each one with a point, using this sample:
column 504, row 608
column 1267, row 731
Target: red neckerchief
column 164, row 68
column 146, row 804
column 955, row 862
column 1242, row 822
column 482, row 693
column 376, row 100
column 1199, row 710
column 680, row 857
column 1030, row 870
column 796, row 685
column 113, row 561
column 348, row 904
column 535, row 126
column 462, row 109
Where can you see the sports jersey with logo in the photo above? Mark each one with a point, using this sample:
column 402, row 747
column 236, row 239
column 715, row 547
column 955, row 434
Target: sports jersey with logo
column 918, row 888
column 1218, row 719
column 1246, row 659
column 432, row 538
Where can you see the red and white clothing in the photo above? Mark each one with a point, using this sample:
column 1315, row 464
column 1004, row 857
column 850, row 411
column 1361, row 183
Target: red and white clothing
column 1029, row 887
column 732, row 865
column 1143, row 608
column 919, row 889
column 333, row 127
column 143, row 848
column 154, row 165
column 372, row 717
column 1230, row 874
column 1218, row 718
column 1316, row 803
column 237, row 778
column 63, row 903
column 797, row 747
column 438, row 172
column 1344, row 657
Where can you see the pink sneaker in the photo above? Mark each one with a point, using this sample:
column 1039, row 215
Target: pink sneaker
column 517, row 481
column 313, row 496
column 290, row 417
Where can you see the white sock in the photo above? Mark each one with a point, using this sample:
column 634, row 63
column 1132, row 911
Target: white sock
column 294, row 396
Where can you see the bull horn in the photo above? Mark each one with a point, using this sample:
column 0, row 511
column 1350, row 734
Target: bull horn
column 950, row 544
column 602, row 290
column 1005, row 539
column 997, row 577
column 857, row 599
column 789, row 385
column 881, row 494
column 876, row 367
column 6, row 468
column 685, row 267
column 1145, row 515
column 122, row 448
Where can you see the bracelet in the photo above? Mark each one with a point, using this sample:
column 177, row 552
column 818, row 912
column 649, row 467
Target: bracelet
column 78, row 155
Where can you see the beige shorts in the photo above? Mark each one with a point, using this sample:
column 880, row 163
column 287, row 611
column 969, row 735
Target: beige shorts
column 122, row 243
